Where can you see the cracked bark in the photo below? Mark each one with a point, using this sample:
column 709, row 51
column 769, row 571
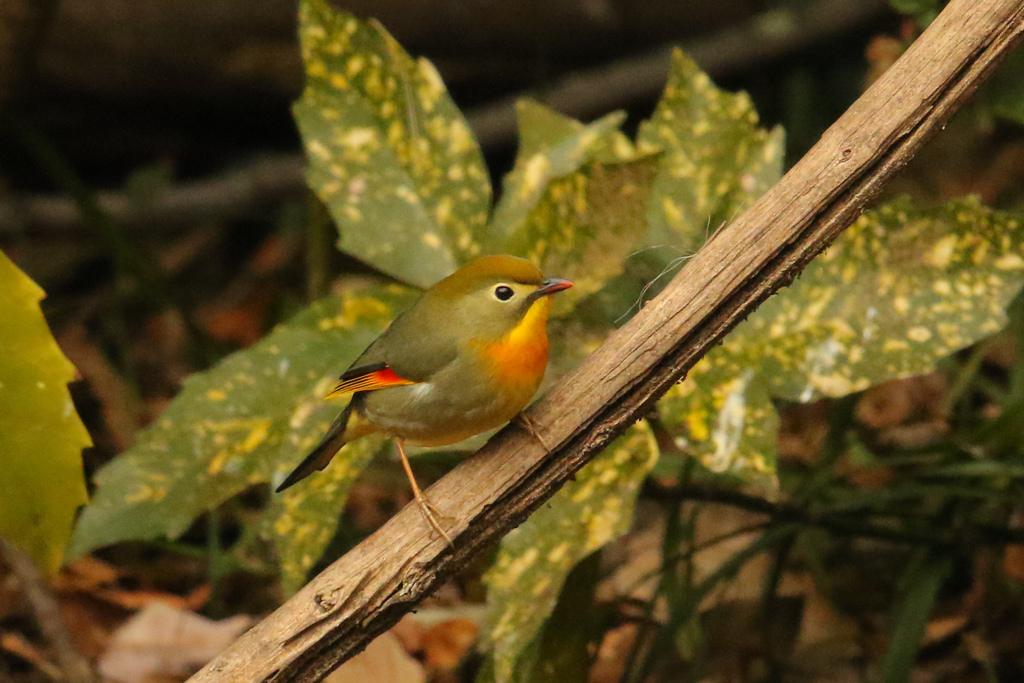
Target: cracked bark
column 370, row 588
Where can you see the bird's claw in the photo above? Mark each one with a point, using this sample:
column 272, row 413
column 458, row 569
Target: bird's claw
column 431, row 514
column 530, row 426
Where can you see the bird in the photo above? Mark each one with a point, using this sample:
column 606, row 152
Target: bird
column 465, row 358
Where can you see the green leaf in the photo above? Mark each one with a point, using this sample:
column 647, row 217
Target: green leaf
column 534, row 560
column 923, row 11
column 41, row 435
column 727, row 419
column 562, row 652
column 900, row 289
column 1003, row 93
column 390, row 154
column 546, row 156
column 248, row 421
column 302, row 520
column 919, row 589
column 715, row 159
column 542, row 129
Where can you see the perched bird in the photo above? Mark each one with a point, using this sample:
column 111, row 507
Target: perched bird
column 465, row 358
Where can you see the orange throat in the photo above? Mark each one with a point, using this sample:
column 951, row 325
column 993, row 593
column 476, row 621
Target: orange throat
column 520, row 358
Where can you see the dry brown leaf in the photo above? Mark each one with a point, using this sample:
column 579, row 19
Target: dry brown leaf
column 12, row 599
column 240, row 321
column 90, row 622
column 276, row 252
column 445, row 644
column 410, row 633
column 166, row 641
column 803, row 429
column 98, row 579
column 383, row 661
column 941, row 628
column 895, row 402
column 610, row 663
column 914, row 435
column 137, row 599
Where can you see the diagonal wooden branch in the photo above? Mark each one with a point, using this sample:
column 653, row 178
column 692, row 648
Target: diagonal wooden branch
column 370, row 588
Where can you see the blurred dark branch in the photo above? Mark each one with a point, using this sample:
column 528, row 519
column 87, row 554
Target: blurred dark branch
column 845, row 524
column 23, row 25
column 241, row 191
column 73, row 665
column 245, row 190
column 768, row 36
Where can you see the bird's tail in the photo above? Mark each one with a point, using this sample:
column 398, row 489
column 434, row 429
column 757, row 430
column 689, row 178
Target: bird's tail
column 322, row 454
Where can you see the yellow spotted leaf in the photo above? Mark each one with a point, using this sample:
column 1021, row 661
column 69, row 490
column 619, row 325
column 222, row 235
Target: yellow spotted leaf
column 900, row 289
column 249, row 421
column 715, row 159
column 389, row 153
column 556, row 147
column 302, row 520
column 41, row 435
column 713, row 162
column 535, row 559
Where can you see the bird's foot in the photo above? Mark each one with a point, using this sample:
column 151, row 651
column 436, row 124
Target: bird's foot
column 529, row 425
column 431, row 514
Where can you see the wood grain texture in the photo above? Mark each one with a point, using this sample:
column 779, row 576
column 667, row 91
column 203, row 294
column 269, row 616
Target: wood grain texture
column 370, row 588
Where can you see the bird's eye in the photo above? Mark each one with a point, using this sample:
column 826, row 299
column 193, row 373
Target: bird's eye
column 504, row 292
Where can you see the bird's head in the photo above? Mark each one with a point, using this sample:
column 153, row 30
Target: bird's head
column 495, row 297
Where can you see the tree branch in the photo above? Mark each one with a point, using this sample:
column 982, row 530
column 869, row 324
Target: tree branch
column 370, row 588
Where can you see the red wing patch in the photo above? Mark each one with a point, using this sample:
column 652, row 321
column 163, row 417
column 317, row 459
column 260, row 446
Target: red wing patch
column 367, row 378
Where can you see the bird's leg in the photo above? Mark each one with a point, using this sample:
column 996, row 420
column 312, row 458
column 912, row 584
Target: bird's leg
column 529, row 425
column 430, row 512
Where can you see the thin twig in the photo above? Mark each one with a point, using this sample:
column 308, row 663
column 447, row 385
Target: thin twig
column 73, row 665
column 843, row 524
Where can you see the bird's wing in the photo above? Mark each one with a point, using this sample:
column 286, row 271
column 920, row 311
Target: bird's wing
column 368, row 377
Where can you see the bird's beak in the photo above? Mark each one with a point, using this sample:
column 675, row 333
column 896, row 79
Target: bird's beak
column 550, row 286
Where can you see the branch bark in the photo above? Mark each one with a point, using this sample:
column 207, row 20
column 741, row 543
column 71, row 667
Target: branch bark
column 370, row 588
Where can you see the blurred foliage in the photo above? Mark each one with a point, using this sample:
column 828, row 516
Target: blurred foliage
column 923, row 11
column 41, row 435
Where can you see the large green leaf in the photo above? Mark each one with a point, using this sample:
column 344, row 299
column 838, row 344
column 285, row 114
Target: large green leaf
column 245, row 422
column 534, row 560
column 555, row 148
column 900, row 289
column 41, row 436
column 389, row 153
